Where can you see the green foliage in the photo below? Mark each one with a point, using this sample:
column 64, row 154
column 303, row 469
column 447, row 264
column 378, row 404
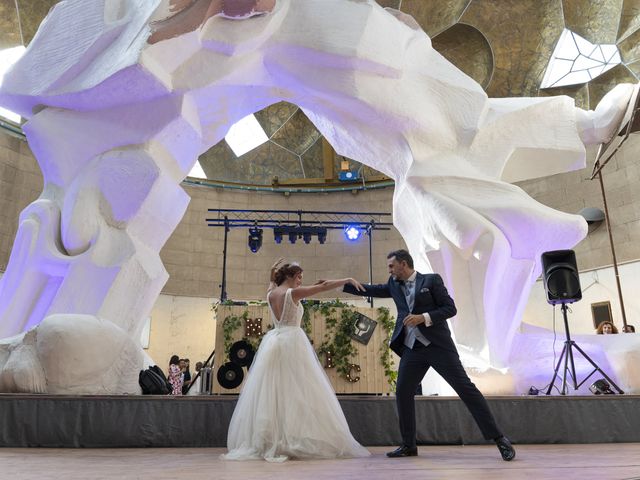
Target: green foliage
column 387, row 322
column 337, row 338
column 306, row 316
column 340, row 319
column 230, row 325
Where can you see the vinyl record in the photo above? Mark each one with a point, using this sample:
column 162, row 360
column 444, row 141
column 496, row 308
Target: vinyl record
column 241, row 353
column 230, row 375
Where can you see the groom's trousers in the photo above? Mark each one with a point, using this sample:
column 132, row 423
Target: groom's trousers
column 414, row 365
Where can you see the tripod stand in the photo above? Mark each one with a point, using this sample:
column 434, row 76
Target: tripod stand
column 569, row 366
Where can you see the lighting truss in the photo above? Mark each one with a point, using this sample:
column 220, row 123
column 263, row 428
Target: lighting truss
column 294, row 224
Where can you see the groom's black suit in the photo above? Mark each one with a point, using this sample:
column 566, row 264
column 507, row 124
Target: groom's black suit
column 430, row 297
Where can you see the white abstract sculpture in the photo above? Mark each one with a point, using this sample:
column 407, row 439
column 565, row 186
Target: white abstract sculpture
column 123, row 95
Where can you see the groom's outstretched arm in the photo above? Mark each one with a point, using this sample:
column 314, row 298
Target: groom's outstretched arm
column 378, row 291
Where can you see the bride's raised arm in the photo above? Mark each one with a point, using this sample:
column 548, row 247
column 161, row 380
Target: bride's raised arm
column 272, row 276
column 299, row 293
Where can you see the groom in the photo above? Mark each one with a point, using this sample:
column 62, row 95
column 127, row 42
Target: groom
column 422, row 340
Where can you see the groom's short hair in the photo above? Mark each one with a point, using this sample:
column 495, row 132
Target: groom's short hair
column 402, row 255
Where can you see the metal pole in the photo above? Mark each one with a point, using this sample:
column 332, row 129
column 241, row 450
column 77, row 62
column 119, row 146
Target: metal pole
column 571, row 344
column 223, row 285
column 370, row 232
column 613, row 250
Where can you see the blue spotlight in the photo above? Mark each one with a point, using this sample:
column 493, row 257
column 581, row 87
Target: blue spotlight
column 255, row 239
column 277, row 234
column 352, row 233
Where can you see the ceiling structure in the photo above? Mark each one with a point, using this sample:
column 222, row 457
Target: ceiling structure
column 505, row 46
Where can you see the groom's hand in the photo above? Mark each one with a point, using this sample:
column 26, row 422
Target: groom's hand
column 413, row 320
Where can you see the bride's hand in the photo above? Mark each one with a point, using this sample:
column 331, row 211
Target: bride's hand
column 277, row 264
column 275, row 267
column 356, row 284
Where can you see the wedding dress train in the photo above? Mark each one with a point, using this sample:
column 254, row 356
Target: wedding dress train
column 288, row 408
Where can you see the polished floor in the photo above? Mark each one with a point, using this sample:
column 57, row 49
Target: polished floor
column 620, row 461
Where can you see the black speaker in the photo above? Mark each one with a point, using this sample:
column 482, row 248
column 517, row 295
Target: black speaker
column 560, row 275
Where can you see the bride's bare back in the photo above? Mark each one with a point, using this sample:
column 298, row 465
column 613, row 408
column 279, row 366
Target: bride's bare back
column 276, row 299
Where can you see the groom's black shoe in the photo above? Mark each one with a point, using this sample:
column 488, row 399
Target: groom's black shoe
column 403, row 451
column 506, row 449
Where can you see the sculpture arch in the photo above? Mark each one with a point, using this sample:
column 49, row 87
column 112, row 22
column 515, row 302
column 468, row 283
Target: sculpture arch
column 144, row 110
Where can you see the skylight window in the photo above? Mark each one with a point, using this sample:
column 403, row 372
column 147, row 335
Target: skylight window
column 8, row 57
column 576, row 60
column 245, row 135
column 197, row 171
column 9, row 115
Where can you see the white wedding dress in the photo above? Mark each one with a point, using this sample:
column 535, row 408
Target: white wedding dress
column 287, row 408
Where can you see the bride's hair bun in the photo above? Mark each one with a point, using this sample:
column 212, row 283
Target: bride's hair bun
column 285, row 271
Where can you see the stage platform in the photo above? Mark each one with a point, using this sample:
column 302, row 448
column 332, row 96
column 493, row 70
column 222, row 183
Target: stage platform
column 202, row 421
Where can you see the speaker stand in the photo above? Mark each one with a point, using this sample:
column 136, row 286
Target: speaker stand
column 569, row 366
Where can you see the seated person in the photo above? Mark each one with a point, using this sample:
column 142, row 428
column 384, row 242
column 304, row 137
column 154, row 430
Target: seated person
column 606, row 328
column 628, row 329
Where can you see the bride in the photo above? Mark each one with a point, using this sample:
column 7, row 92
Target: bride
column 287, row 408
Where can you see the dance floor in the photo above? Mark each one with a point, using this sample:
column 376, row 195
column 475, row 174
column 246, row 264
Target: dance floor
column 477, row 462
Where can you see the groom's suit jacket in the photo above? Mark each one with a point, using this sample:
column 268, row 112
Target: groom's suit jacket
column 431, row 297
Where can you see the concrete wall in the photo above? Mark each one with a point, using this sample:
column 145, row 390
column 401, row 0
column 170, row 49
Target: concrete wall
column 598, row 285
column 20, row 184
column 183, row 326
column 182, row 321
column 193, row 254
column 570, row 192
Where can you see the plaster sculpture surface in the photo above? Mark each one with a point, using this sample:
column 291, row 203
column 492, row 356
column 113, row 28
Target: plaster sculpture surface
column 122, row 96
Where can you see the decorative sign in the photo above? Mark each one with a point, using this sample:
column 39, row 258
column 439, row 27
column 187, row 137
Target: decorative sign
column 363, row 328
column 328, row 359
column 253, row 327
column 354, row 370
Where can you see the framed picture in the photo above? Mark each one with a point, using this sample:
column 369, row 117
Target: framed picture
column 363, row 328
column 601, row 312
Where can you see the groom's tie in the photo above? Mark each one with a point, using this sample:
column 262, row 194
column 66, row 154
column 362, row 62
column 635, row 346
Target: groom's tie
column 408, row 293
column 407, row 289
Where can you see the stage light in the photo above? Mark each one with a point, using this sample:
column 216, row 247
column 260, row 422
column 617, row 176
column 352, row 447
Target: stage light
column 592, row 215
column 346, row 174
column 322, row 235
column 601, row 387
column 293, row 236
column 306, row 236
column 255, row 239
column 352, row 232
column 350, row 176
column 277, row 235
